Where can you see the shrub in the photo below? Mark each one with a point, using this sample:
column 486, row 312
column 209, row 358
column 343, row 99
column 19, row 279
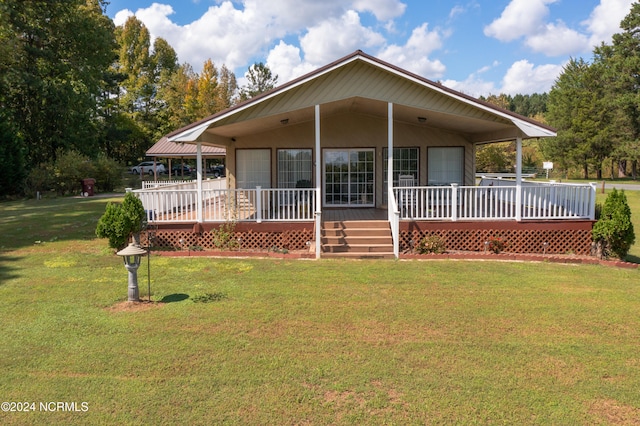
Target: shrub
column 69, row 169
column 224, row 236
column 120, row 221
column 431, row 244
column 112, row 226
column 496, row 244
column 108, row 173
column 40, row 179
column 613, row 233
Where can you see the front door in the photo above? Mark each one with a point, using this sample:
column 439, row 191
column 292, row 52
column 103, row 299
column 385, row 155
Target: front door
column 349, row 177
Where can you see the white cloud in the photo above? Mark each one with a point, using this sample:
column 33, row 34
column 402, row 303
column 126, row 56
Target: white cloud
column 414, row 55
column 121, row 17
column 285, row 61
column 383, row 10
column 472, row 86
column 557, row 40
column 521, row 78
column 520, row 18
column 526, row 19
column 525, row 78
column 334, row 38
column 605, row 19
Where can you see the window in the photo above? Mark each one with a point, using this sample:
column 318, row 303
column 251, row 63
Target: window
column 445, row 165
column 254, row 168
column 405, row 162
column 295, row 168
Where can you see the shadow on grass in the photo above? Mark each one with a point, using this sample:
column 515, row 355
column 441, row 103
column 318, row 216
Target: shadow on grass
column 632, row 259
column 177, row 297
column 7, row 271
column 58, row 219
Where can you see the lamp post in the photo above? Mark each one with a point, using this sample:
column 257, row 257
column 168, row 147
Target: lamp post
column 131, row 256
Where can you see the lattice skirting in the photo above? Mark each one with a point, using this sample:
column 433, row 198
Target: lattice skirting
column 256, row 237
column 560, row 238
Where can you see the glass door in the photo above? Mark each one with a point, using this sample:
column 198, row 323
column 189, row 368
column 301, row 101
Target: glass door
column 349, row 177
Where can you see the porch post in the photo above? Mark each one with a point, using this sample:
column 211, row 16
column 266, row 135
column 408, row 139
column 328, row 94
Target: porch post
column 318, row 205
column 392, row 210
column 519, row 178
column 390, row 159
column 592, row 201
column 199, row 182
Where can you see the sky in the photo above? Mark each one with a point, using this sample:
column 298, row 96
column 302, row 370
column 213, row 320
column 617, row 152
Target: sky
column 478, row 47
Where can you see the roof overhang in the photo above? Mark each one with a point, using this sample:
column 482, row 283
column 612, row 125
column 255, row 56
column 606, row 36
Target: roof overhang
column 487, row 124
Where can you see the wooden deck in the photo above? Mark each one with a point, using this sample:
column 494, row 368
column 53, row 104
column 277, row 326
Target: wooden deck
column 339, row 215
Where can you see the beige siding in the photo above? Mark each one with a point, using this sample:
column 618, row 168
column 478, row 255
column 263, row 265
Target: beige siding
column 352, row 130
column 360, row 79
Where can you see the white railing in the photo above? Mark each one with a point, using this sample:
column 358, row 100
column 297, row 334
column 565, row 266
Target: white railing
column 219, row 205
column 184, row 184
column 152, row 184
column 394, row 223
column 497, row 200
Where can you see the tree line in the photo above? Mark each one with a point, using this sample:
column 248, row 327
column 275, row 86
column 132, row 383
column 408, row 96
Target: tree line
column 595, row 108
column 73, row 82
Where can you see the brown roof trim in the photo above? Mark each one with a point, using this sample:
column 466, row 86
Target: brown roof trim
column 346, row 59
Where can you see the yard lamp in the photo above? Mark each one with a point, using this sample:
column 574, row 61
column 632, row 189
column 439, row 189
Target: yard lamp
column 131, row 256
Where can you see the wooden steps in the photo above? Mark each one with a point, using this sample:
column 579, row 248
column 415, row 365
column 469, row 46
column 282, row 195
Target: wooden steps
column 360, row 239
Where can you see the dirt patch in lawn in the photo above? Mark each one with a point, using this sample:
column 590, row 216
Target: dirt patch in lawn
column 126, row 306
column 612, row 412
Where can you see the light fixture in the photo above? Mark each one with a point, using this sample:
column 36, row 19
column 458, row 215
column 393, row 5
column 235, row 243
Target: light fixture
column 284, row 121
column 422, row 119
column 131, row 256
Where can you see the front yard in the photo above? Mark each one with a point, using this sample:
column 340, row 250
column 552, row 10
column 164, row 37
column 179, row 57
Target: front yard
column 316, row 342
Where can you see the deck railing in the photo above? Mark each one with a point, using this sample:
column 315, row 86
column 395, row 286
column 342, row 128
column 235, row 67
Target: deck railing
column 184, row 184
column 221, row 205
column 496, row 199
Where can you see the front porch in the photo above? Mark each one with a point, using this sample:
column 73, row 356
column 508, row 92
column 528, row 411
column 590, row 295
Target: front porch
column 533, row 217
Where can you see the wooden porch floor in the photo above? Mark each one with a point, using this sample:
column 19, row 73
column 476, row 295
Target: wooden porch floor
column 336, row 215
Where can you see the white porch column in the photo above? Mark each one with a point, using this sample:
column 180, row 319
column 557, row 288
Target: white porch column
column 390, row 159
column 519, row 178
column 199, row 197
column 392, row 209
column 318, row 205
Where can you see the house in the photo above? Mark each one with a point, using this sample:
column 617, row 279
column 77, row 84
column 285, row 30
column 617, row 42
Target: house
column 363, row 158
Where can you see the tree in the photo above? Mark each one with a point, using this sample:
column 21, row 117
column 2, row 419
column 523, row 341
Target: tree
column 260, row 79
column 619, row 67
column 495, row 158
column 227, row 88
column 579, row 110
column 58, row 53
column 207, row 90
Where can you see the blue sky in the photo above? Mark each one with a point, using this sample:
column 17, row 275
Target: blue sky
column 479, row 47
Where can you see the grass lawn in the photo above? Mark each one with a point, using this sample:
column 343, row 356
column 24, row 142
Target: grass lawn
column 305, row 342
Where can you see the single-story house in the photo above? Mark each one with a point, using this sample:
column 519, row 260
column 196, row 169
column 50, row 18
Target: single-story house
column 362, row 158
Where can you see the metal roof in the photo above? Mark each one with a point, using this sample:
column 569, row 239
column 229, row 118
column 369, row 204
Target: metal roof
column 166, row 149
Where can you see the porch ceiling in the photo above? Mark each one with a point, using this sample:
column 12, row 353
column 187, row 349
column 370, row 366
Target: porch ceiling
column 476, row 130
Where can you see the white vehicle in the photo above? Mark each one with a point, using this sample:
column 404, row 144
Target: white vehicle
column 147, row 167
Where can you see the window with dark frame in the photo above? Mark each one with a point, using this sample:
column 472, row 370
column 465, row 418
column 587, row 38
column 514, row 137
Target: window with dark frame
column 295, row 168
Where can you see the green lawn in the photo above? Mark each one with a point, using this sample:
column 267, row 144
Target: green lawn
column 306, row 342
